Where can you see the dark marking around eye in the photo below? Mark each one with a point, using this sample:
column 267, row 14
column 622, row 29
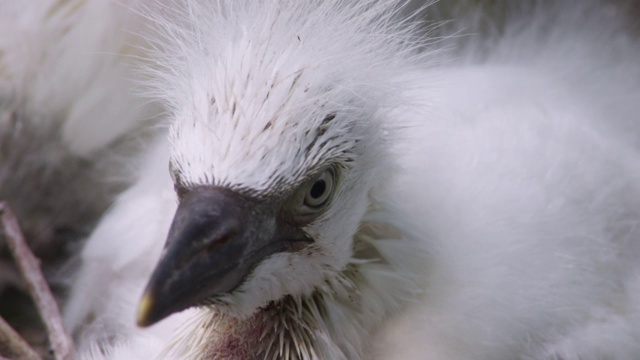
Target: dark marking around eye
column 295, row 80
column 328, row 118
column 320, row 131
column 327, row 141
column 325, row 122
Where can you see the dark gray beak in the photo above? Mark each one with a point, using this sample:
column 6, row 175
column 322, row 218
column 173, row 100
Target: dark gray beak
column 216, row 239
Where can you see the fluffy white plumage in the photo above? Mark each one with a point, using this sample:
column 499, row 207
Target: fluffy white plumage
column 70, row 62
column 485, row 204
column 66, row 98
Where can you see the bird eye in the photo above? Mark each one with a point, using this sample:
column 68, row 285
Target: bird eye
column 320, row 191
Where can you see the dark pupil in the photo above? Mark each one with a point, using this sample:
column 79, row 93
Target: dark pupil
column 318, row 189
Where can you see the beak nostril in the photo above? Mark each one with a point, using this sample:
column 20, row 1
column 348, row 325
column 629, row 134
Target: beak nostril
column 216, row 244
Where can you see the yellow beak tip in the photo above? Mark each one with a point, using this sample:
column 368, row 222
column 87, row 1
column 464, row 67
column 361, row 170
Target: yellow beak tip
column 144, row 310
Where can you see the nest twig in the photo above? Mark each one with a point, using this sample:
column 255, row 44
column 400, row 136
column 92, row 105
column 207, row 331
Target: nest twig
column 39, row 290
column 12, row 344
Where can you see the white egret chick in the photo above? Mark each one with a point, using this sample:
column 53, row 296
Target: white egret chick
column 338, row 195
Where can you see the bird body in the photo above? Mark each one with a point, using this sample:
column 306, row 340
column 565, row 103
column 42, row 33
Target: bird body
column 523, row 198
column 339, row 194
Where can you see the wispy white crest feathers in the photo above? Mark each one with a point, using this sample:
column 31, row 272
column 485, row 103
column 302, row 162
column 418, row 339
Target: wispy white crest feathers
column 248, row 70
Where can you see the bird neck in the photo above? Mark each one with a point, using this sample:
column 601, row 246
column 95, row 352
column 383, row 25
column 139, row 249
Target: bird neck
column 338, row 320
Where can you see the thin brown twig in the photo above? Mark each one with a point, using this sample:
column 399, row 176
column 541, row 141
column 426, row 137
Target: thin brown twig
column 13, row 345
column 29, row 266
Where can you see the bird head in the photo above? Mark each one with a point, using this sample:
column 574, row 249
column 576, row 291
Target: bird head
column 280, row 129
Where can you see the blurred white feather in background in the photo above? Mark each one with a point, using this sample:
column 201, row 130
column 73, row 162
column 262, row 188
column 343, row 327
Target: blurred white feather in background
column 68, row 114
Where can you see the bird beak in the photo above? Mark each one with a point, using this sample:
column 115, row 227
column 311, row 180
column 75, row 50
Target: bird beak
column 216, row 239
